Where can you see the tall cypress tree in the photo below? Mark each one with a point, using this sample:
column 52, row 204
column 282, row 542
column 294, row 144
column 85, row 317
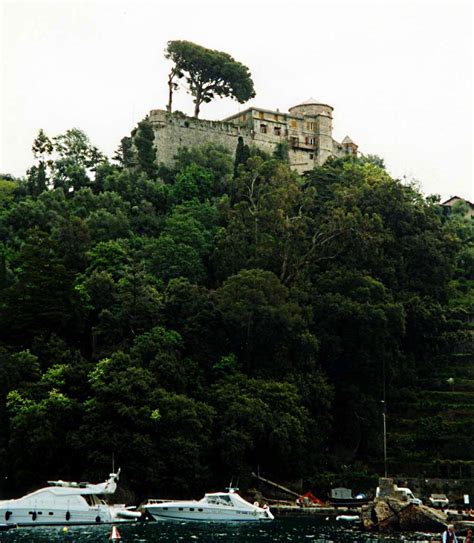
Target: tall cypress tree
column 282, row 152
column 124, row 154
column 242, row 154
column 144, row 140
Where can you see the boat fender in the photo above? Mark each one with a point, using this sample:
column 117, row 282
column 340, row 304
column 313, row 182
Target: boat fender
column 265, row 506
column 97, row 519
column 8, row 514
column 68, row 515
column 256, row 504
column 34, row 515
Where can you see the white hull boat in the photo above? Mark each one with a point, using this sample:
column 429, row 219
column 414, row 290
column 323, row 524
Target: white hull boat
column 64, row 503
column 219, row 507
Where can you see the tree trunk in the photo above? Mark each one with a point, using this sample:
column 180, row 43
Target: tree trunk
column 197, row 102
column 170, row 91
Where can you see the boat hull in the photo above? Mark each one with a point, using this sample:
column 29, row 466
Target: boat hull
column 207, row 514
column 59, row 517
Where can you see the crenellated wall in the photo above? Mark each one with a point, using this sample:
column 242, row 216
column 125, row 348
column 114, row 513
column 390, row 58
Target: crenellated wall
column 173, row 131
column 308, row 147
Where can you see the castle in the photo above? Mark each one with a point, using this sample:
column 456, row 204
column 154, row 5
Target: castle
column 307, row 128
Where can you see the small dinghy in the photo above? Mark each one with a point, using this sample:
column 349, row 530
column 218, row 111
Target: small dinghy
column 348, row 518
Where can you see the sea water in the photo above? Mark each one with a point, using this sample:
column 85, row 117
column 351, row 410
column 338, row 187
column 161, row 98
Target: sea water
column 279, row 530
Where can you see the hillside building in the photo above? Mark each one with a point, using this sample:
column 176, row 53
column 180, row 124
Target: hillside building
column 307, row 128
column 448, row 205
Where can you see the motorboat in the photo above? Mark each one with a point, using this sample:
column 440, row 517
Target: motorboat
column 217, row 506
column 66, row 503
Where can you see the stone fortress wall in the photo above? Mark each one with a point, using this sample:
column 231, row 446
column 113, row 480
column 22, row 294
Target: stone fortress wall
column 307, row 128
column 174, row 131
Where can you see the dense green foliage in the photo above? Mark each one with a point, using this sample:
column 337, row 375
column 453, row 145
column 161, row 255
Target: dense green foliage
column 233, row 317
column 208, row 73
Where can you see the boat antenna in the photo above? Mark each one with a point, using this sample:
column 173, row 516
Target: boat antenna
column 113, row 462
column 231, row 487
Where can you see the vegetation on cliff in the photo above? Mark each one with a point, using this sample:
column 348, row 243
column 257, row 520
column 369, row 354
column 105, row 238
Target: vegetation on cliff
column 214, row 319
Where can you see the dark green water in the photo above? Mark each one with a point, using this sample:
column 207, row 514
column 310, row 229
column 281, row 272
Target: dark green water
column 280, row 530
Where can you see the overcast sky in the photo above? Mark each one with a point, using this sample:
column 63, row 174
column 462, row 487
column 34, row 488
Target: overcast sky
column 399, row 76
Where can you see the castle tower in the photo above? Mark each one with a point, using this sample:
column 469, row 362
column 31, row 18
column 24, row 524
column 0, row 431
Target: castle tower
column 350, row 148
column 319, row 116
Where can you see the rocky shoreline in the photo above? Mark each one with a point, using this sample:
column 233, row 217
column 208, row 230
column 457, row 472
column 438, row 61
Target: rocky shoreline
column 388, row 514
column 391, row 511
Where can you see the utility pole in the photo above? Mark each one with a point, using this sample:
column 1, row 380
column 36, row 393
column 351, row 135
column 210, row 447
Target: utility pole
column 384, row 418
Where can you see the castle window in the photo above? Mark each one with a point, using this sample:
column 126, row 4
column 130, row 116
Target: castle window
column 263, row 129
column 275, row 116
column 310, row 126
column 294, row 141
column 244, row 118
column 306, row 140
column 293, row 124
column 260, row 114
column 277, row 130
column 311, row 156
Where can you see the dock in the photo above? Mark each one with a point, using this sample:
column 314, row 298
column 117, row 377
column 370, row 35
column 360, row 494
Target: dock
column 310, row 512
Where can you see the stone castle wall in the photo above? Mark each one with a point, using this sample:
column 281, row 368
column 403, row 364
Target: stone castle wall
column 173, row 131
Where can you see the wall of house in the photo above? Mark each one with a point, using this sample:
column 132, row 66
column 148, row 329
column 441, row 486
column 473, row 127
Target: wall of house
column 454, row 200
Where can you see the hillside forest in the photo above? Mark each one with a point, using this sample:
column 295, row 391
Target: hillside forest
column 227, row 316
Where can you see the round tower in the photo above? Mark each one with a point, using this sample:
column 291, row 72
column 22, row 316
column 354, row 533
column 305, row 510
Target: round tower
column 322, row 115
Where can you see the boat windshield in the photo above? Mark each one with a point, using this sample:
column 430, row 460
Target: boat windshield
column 221, row 499
column 92, row 499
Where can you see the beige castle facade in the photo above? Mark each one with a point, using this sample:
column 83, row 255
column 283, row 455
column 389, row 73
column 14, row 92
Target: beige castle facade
column 307, row 128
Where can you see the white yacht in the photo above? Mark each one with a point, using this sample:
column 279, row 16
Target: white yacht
column 66, row 503
column 218, row 506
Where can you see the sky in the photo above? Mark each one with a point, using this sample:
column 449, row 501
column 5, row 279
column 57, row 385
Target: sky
column 399, row 75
